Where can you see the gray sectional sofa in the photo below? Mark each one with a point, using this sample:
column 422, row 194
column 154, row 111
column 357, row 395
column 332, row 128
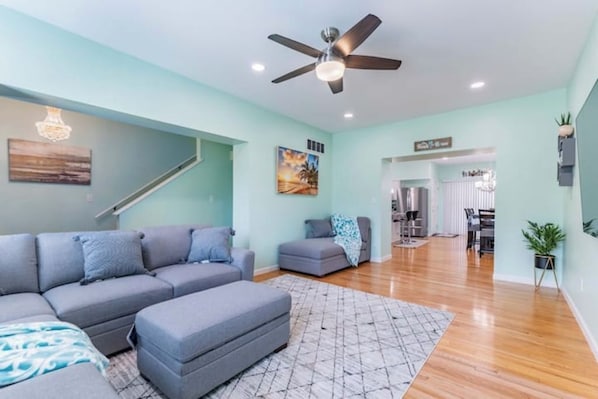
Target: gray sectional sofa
column 317, row 254
column 40, row 280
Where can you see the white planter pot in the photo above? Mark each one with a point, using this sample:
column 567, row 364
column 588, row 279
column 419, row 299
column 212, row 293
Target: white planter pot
column 565, row 130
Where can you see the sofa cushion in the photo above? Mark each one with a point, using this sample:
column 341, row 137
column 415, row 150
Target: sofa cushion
column 87, row 305
column 18, row 264
column 166, row 245
column 189, row 278
column 17, row 306
column 74, row 382
column 364, row 228
column 32, row 319
column 210, row 244
column 317, row 228
column 60, row 259
column 108, row 254
column 315, row 248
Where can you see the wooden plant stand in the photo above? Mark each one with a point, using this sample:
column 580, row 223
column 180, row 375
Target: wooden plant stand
column 548, row 265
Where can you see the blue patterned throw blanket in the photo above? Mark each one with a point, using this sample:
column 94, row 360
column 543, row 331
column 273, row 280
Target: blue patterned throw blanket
column 31, row 349
column 347, row 236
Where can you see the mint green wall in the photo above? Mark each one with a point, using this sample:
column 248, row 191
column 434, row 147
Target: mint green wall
column 101, row 78
column 123, row 158
column 581, row 250
column 204, row 194
column 522, row 131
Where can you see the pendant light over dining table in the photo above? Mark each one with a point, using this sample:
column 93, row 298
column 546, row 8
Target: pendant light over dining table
column 53, row 127
column 488, row 182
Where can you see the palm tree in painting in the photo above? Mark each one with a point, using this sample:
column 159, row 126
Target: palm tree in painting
column 309, row 173
column 313, row 176
column 304, row 172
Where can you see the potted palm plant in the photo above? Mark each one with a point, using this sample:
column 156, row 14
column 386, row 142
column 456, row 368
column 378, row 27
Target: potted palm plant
column 543, row 239
column 565, row 126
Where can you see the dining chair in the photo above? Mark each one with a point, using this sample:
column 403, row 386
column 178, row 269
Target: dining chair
column 487, row 218
column 473, row 226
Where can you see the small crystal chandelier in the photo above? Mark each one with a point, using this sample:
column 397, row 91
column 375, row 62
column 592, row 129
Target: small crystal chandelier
column 53, row 128
column 488, row 182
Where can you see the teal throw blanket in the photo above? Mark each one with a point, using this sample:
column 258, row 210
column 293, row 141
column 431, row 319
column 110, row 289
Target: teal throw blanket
column 31, row 349
column 347, row 236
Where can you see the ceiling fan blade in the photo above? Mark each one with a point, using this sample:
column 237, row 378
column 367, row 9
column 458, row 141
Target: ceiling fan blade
column 295, row 73
column 295, row 45
column 336, row 85
column 367, row 62
column 356, row 35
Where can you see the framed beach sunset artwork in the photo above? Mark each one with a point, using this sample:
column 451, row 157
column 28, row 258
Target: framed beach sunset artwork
column 296, row 172
column 32, row 161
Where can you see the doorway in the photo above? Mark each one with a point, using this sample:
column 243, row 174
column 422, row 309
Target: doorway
column 454, row 181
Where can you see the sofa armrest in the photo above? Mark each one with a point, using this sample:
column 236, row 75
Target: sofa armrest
column 367, row 254
column 244, row 259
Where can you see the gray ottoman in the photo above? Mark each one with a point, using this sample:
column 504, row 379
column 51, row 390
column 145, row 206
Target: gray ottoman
column 189, row 345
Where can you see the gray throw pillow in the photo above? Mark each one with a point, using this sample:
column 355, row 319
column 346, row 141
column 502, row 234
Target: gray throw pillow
column 109, row 254
column 317, row 228
column 210, row 244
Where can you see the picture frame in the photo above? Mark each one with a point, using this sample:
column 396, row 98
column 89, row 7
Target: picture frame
column 297, row 172
column 37, row 162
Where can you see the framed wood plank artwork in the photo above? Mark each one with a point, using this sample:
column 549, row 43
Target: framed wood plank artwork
column 32, row 161
column 296, row 172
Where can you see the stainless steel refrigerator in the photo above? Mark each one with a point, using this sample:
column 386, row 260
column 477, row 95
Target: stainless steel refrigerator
column 414, row 199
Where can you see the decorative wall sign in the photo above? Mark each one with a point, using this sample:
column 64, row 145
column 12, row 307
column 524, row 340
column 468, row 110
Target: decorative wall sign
column 474, row 172
column 296, row 172
column 433, row 144
column 33, row 161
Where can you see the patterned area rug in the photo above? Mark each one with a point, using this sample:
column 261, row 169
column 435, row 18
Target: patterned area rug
column 445, row 235
column 415, row 243
column 344, row 344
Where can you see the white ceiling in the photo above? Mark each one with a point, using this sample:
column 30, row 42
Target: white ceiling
column 518, row 47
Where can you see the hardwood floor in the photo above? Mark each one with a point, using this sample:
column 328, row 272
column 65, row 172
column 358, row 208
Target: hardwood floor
column 506, row 340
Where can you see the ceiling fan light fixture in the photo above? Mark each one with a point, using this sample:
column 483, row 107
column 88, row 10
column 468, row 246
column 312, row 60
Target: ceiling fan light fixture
column 330, row 67
column 330, row 71
column 331, row 62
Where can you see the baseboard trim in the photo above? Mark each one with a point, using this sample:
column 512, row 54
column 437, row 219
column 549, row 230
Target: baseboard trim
column 522, row 280
column 381, row 259
column 267, row 269
column 582, row 324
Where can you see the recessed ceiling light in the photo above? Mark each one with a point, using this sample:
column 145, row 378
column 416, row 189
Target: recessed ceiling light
column 258, row 67
column 348, row 115
column 477, row 85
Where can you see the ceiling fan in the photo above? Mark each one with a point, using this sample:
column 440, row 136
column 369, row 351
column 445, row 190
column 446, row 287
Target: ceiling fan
column 332, row 61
